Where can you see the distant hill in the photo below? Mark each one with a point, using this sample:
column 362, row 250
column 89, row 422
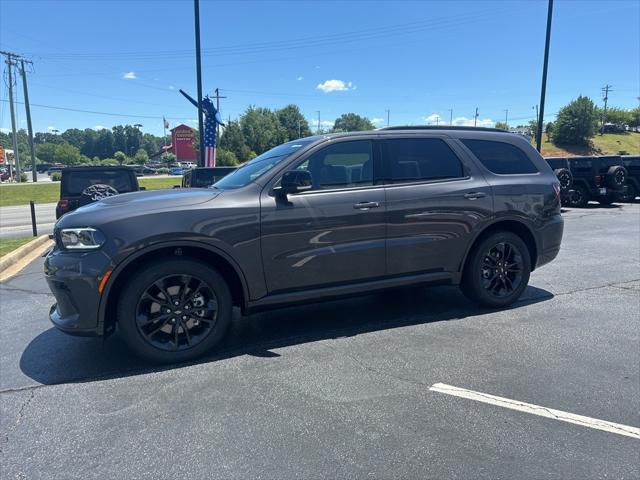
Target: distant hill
column 608, row 144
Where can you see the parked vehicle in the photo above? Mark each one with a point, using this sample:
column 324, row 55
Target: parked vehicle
column 597, row 178
column 176, row 171
column 632, row 164
column 54, row 169
column 80, row 186
column 141, row 170
column 203, row 177
column 5, row 175
column 319, row 217
column 560, row 166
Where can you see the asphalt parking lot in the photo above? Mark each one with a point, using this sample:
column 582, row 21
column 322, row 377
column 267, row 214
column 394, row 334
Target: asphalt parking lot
column 344, row 389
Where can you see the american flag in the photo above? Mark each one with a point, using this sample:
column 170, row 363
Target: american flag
column 210, row 140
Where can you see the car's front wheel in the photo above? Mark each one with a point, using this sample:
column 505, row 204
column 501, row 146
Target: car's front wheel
column 497, row 270
column 174, row 311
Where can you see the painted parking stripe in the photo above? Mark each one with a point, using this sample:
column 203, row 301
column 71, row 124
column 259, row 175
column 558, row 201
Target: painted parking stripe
column 610, row 427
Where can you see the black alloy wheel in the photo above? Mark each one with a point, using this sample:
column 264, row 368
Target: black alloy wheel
column 176, row 312
column 502, row 270
column 578, row 198
column 497, row 270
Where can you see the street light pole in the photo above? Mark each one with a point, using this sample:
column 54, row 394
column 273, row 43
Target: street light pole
column 196, row 11
column 543, row 90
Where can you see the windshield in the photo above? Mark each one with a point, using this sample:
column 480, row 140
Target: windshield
column 260, row 165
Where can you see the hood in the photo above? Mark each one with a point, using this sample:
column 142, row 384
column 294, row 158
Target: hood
column 136, row 203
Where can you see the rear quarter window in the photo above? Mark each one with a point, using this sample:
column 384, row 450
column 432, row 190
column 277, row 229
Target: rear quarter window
column 500, row 157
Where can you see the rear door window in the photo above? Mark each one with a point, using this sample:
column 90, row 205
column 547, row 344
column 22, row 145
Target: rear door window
column 409, row 160
column 500, row 157
column 76, row 182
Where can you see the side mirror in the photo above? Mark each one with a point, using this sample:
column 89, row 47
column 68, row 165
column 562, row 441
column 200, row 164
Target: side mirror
column 294, row 181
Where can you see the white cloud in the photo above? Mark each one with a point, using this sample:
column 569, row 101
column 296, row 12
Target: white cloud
column 324, row 124
column 377, row 120
column 335, row 86
column 435, row 119
column 99, row 127
column 171, row 87
column 129, row 75
column 5, row 130
column 299, row 78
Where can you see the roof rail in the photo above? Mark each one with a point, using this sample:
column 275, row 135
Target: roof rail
column 446, row 127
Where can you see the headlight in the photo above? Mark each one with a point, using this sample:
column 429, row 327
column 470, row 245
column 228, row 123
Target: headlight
column 85, row 238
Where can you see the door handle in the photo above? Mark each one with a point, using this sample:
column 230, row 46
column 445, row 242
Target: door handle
column 474, row 195
column 366, row 205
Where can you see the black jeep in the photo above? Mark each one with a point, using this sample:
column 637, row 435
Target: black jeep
column 562, row 170
column 83, row 185
column 203, row 177
column 632, row 164
column 602, row 179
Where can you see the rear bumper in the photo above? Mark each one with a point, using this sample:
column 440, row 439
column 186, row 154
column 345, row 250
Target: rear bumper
column 550, row 239
column 607, row 192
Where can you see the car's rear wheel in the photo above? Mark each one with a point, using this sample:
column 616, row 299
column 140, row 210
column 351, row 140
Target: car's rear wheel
column 174, row 311
column 497, row 271
column 564, row 177
column 578, row 198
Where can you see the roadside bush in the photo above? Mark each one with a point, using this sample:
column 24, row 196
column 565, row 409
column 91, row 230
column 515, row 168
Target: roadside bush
column 23, row 177
column 162, row 170
column 576, row 123
column 56, row 176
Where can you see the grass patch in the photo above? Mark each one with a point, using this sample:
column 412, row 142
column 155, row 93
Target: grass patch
column 607, row 144
column 10, row 244
column 45, row 192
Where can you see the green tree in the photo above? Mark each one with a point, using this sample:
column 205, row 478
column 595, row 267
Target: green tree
column 225, row 158
column 45, row 152
column 261, row 129
column 74, row 136
column 548, row 129
column 502, row 125
column 232, row 140
column 292, row 120
column 168, row 158
column 66, row 154
column 576, row 122
column 635, row 118
column 617, row 116
column 142, row 156
column 120, row 157
column 352, row 122
column 104, row 144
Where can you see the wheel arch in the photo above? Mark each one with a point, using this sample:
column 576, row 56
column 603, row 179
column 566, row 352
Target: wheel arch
column 185, row 249
column 517, row 227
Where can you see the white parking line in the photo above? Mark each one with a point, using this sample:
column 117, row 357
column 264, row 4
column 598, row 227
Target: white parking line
column 537, row 410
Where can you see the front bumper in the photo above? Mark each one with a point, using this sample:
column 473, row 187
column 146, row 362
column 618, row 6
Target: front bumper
column 73, row 278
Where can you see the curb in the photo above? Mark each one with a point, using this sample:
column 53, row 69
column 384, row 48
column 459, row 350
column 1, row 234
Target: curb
column 19, row 253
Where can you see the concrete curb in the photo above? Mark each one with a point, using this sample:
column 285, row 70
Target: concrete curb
column 14, row 257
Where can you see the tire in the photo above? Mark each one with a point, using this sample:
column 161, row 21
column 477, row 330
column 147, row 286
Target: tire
column 185, row 330
column 488, row 279
column 616, row 177
column 579, row 198
column 631, row 194
column 565, row 178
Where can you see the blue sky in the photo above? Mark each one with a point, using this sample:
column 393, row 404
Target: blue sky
column 416, row 58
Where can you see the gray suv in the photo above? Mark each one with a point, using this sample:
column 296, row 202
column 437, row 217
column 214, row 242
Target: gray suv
column 321, row 217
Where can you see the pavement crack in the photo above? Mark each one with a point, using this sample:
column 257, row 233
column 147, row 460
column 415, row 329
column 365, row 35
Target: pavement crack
column 19, row 417
column 607, row 285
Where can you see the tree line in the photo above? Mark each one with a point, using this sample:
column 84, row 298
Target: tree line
column 258, row 129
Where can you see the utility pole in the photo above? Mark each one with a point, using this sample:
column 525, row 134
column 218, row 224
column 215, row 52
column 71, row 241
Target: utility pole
column 606, row 89
column 506, row 117
column 543, row 90
column 388, row 116
column 34, row 173
column 16, row 157
column 451, row 117
column 196, row 14
column 318, row 112
column 218, row 97
column 475, row 118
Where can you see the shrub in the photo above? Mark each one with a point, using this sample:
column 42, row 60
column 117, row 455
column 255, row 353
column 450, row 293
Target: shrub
column 162, row 170
column 23, row 177
column 56, row 176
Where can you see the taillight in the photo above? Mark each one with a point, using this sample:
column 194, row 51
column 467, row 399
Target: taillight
column 597, row 180
column 63, row 205
column 557, row 189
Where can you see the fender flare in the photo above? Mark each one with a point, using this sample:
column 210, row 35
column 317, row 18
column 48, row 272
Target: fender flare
column 122, row 265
